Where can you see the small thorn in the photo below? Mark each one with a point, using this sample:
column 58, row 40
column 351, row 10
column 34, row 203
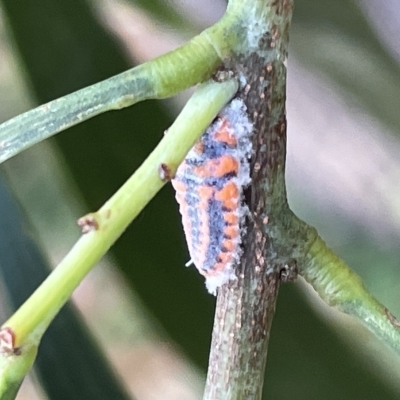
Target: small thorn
column 7, row 342
column 88, row 223
column 164, row 172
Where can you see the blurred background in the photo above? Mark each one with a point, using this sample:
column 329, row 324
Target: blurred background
column 140, row 324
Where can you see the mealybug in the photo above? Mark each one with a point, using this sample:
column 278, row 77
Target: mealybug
column 209, row 189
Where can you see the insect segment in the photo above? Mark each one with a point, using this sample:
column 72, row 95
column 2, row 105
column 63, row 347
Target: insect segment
column 209, row 189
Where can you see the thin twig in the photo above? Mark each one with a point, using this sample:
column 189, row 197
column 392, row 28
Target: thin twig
column 340, row 287
column 102, row 229
column 162, row 77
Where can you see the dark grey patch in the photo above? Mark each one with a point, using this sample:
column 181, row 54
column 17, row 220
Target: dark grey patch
column 194, row 217
column 211, row 149
column 195, row 162
column 191, row 181
column 216, row 226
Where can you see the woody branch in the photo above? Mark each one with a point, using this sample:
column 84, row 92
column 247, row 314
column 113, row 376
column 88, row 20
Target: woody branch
column 245, row 307
column 275, row 240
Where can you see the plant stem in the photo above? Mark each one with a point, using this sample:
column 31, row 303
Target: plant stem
column 245, row 307
column 162, row 77
column 104, row 227
column 13, row 368
column 339, row 286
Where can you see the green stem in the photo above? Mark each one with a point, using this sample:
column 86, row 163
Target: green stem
column 162, row 77
column 339, row 286
column 13, row 368
column 104, row 227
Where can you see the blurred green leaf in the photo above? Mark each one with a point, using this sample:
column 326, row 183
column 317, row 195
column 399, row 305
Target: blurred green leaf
column 69, row 364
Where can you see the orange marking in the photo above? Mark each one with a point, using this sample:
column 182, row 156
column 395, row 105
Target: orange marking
column 205, row 193
column 231, row 218
column 217, row 168
column 229, row 195
column 229, row 245
column 224, row 134
column 231, row 231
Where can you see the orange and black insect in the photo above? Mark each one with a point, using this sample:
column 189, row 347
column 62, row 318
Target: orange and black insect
column 209, row 189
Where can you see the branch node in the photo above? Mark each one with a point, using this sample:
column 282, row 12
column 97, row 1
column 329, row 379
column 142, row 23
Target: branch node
column 88, row 223
column 222, row 74
column 165, row 173
column 7, row 342
column 289, row 272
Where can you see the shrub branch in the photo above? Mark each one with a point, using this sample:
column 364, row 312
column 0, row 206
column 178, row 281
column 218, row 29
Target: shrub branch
column 22, row 331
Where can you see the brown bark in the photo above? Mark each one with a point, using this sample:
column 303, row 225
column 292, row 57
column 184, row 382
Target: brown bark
column 245, row 307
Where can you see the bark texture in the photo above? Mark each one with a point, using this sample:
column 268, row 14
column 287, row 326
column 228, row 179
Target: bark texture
column 245, row 307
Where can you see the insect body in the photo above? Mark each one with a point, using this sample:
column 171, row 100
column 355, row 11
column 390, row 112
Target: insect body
column 209, row 189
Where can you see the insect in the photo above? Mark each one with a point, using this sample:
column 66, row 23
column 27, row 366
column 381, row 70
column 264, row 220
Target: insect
column 209, row 189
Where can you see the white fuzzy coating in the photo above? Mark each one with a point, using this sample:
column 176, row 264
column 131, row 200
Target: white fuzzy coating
column 240, row 126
